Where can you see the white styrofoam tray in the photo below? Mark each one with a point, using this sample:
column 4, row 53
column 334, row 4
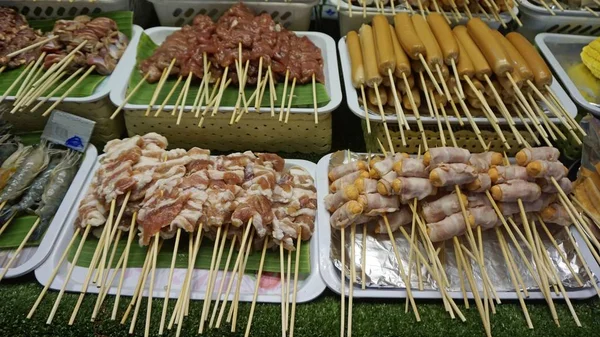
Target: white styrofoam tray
column 31, row 257
column 109, row 82
column 309, row 286
column 159, row 34
column 542, row 41
column 357, row 108
column 331, row 274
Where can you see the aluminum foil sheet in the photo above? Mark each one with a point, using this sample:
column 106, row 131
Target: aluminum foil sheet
column 382, row 267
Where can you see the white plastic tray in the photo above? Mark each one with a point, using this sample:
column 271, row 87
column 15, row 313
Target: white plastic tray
column 109, row 82
column 331, row 274
column 542, row 41
column 31, row 257
column 357, row 108
column 309, row 287
column 159, row 34
column 51, row 9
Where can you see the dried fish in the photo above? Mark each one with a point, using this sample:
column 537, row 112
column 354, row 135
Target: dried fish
column 33, row 164
column 10, row 165
column 55, row 190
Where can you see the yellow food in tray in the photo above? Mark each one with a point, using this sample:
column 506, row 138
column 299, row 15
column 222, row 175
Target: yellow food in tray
column 587, row 84
column 590, row 55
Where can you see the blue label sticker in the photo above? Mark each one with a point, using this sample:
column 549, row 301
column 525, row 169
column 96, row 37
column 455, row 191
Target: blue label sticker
column 74, row 142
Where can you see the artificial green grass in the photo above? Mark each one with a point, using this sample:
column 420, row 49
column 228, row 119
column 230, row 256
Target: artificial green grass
column 317, row 318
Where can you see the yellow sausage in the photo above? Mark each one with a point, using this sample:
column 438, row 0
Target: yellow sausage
column 409, row 40
column 402, row 61
column 480, row 64
column 433, row 52
column 383, row 43
column 491, row 49
column 536, row 63
column 464, row 65
column 356, row 59
column 416, row 96
column 443, row 34
column 519, row 64
column 367, row 42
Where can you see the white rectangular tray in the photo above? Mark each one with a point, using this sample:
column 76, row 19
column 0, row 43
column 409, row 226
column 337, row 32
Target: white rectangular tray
column 103, row 89
column 159, row 34
column 357, row 108
column 309, row 287
column 331, row 274
column 31, row 257
column 542, row 41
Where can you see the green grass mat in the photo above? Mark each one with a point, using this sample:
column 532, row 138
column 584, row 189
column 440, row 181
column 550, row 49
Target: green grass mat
column 303, row 96
column 16, row 232
column 137, row 255
column 124, row 20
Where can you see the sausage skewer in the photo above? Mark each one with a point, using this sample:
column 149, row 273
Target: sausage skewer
column 372, row 77
column 412, row 43
column 450, row 49
column 358, row 72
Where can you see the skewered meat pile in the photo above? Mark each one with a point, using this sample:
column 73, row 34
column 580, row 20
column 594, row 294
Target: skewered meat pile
column 181, row 189
column 259, row 36
column 15, row 34
column 104, row 47
column 361, row 192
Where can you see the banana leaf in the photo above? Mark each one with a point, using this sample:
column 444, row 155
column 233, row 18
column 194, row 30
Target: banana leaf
column 303, row 94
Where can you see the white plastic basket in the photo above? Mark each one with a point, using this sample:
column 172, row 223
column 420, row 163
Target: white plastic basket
column 348, row 23
column 358, row 110
column 576, row 42
column 292, row 15
column 52, row 9
column 537, row 19
column 159, row 34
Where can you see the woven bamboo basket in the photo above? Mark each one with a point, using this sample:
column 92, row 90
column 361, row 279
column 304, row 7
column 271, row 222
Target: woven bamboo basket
column 98, row 111
column 465, row 138
column 256, row 131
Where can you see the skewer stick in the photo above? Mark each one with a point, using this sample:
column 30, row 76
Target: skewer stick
column 282, row 285
column 289, row 106
column 558, row 103
column 364, row 8
column 560, row 252
column 401, row 267
column 397, row 102
column 444, row 86
column 426, row 94
column 217, row 267
column 437, row 9
column 467, row 11
column 137, row 293
column 104, row 291
column 287, row 288
column 352, row 276
column 458, row 82
column 238, row 261
column 31, row 46
column 296, row 274
column 68, row 277
column 235, row 305
column 382, row 114
column 179, row 97
column 411, row 253
column 452, row 138
column 171, row 270
column 438, row 119
column 285, row 84
column 7, row 223
column 363, row 277
column 557, row 4
column 168, row 97
column 343, row 281
column 223, row 278
column 133, row 91
column 258, row 83
column 185, row 295
column 166, row 73
column 314, row 90
column 151, row 290
column 583, row 262
column 14, row 84
column 183, row 292
column 256, row 92
column 513, row 15
column 17, row 252
column 54, row 273
column 2, row 69
column 511, row 262
column 60, row 66
column 554, row 110
column 53, row 92
column 25, row 84
column 531, row 133
column 186, row 89
column 61, row 98
column 106, row 242
column 459, row 268
column 456, row 113
column 558, row 280
column 501, row 105
column 208, row 292
column 258, row 277
column 431, row 77
column 364, row 101
column 103, row 285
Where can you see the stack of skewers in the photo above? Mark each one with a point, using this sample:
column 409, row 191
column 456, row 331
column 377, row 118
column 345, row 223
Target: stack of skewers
column 242, row 49
column 33, row 180
column 451, row 195
column 555, row 6
column 250, row 199
column 450, row 9
column 59, row 61
column 422, row 60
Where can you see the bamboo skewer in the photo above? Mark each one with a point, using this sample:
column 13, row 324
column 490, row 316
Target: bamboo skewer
column 289, row 105
column 14, row 84
column 208, row 292
column 17, row 252
column 144, row 276
column 295, row 293
column 460, row 268
column 31, row 46
column 560, row 252
column 26, row 83
column 53, row 92
column 343, row 281
column 471, row 121
column 68, row 277
column 352, row 276
column 179, row 97
column 363, row 277
column 282, row 285
column 218, row 298
column 430, row 74
column 168, row 293
column 103, row 285
column 181, row 311
column 283, row 101
column 561, row 107
column 106, row 242
column 186, row 89
column 138, row 288
column 233, row 310
column 61, row 98
column 158, row 88
column 258, row 277
column 151, row 290
column 583, row 262
column 54, row 273
column 168, row 97
column 128, row 97
column 132, row 231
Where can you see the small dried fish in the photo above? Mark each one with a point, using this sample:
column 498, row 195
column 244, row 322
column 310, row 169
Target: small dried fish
column 10, row 165
column 55, row 190
column 33, row 164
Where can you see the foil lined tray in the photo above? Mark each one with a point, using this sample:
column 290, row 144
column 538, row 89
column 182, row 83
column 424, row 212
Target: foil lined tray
column 381, row 267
